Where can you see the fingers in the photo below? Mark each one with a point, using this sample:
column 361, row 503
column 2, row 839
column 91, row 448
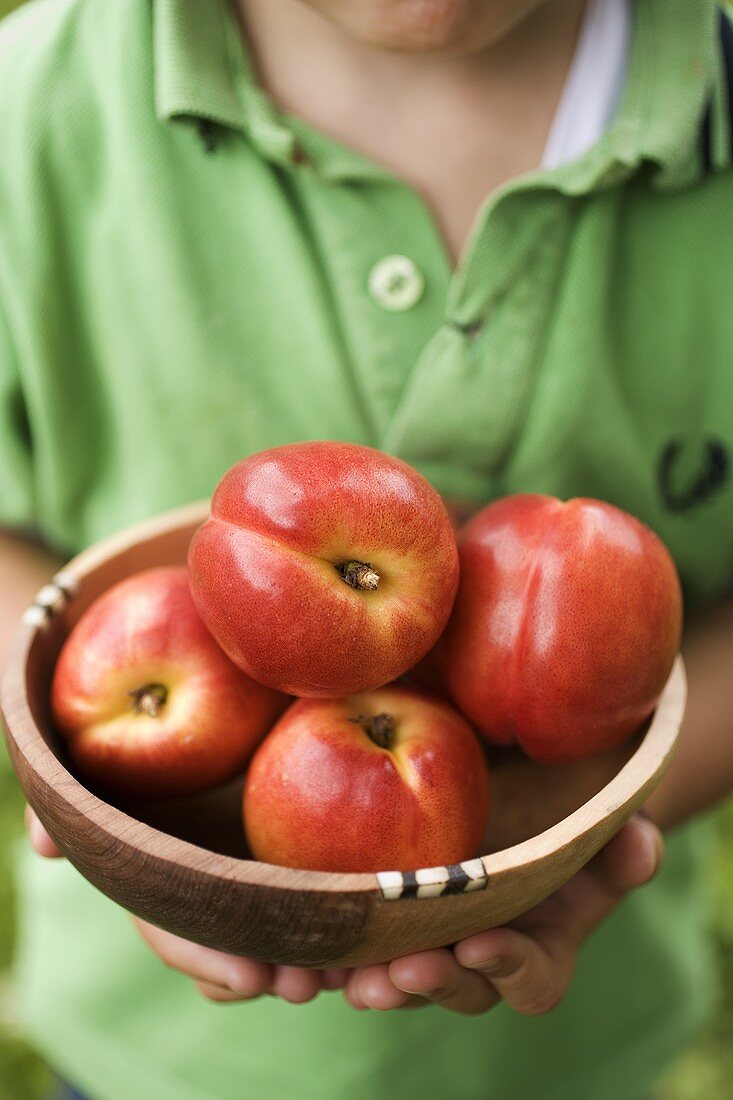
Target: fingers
column 522, row 971
column 631, row 858
column 530, row 965
column 335, row 979
column 628, row 861
column 224, row 978
column 438, row 977
column 370, row 987
column 245, row 978
column 293, row 984
column 39, row 838
column 430, row 977
column 217, row 993
column 218, row 976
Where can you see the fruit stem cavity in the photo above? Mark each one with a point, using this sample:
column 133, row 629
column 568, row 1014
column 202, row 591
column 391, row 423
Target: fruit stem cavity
column 149, row 699
column 379, row 727
column 359, row 574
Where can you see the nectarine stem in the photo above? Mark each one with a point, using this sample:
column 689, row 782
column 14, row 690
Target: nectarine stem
column 359, row 574
column 379, row 727
column 149, row 699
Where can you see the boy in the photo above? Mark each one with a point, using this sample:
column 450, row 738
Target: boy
column 486, row 235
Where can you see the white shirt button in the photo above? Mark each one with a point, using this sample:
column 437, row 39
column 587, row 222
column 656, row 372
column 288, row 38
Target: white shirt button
column 396, row 283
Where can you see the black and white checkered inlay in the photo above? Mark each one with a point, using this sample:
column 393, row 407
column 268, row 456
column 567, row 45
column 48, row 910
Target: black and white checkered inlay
column 51, row 599
column 433, row 882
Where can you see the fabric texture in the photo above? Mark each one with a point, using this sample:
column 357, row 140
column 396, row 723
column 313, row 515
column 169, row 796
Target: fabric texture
column 184, row 279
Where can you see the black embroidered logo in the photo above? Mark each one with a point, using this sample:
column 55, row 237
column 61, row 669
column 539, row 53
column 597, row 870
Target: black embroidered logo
column 713, row 470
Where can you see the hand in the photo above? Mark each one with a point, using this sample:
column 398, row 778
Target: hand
column 224, row 978
column 529, row 963
column 218, row 976
column 39, row 838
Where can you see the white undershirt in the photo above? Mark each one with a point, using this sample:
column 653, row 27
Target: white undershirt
column 594, row 83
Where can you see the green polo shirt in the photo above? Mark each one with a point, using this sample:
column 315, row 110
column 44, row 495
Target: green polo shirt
column 188, row 276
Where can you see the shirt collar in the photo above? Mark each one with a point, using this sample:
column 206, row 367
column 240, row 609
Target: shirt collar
column 673, row 69
column 202, row 72
column 193, row 77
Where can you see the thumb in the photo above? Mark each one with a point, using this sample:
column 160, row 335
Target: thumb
column 631, row 858
column 39, row 838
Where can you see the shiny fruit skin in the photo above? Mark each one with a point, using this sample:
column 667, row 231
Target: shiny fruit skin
column 145, row 630
column 320, row 794
column 264, row 567
column 566, row 624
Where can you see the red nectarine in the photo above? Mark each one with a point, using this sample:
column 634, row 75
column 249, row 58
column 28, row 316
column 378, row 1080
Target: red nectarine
column 388, row 779
column 565, row 627
column 325, row 568
column 145, row 700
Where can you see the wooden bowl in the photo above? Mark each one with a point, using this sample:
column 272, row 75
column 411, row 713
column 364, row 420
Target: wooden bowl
column 182, row 864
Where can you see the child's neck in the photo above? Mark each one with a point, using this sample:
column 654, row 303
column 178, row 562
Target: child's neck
column 456, row 128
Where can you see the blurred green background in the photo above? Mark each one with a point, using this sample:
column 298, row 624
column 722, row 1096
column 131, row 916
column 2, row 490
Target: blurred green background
column 704, row 1072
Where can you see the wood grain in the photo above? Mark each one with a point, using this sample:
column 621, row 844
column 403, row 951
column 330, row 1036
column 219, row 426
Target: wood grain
column 180, row 864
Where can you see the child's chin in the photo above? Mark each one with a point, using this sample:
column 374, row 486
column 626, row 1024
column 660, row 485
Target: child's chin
column 425, row 26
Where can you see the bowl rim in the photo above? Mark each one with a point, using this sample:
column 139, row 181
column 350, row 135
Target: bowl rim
column 648, row 761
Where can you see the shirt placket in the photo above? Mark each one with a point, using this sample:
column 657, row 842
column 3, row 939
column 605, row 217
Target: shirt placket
column 462, row 407
column 388, row 276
